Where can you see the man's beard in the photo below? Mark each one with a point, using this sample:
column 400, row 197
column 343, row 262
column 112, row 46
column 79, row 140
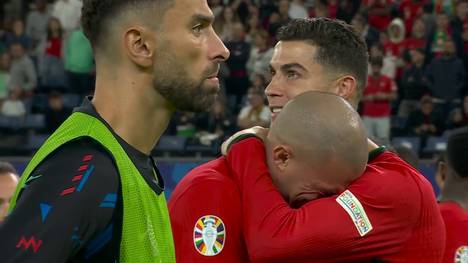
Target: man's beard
column 172, row 81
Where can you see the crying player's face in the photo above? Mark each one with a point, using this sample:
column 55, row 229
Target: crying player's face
column 188, row 56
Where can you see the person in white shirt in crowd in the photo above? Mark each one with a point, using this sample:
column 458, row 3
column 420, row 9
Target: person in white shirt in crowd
column 69, row 13
column 14, row 106
column 36, row 23
column 260, row 55
column 255, row 113
column 22, row 72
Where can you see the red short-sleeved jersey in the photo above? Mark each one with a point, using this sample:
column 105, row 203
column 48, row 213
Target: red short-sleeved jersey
column 456, row 224
column 390, row 213
column 206, row 217
column 381, row 84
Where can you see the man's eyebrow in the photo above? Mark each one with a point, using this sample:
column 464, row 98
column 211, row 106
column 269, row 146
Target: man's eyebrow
column 208, row 19
column 290, row 66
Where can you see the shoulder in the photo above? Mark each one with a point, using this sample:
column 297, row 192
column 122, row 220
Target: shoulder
column 212, row 176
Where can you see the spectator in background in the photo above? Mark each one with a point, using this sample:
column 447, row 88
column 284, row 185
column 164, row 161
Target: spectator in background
column 36, row 23
column 79, row 63
column 5, row 62
column 459, row 117
column 18, row 35
column 461, row 16
column 8, row 182
column 441, row 33
column 260, row 55
column 446, row 78
column 51, row 68
column 418, row 37
column 413, row 83
column 216, row 6
column 297, row 9
column 56, row 113
column 238, row 81
column 217, row 121
column 14, row 106
column 255, row 113
column 368, row 33
column 389, row 67
column 425, row 122
column 410, row 11
column 224, row 24
column 69, row 13
column 22, row 72
column 378, row 12
column 253, row 27
column 376, row 108
column 347, row 10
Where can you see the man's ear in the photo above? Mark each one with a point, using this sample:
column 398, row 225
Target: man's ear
column 441, row 174
column 282, row 155
column 346, row 87
column 140, row 46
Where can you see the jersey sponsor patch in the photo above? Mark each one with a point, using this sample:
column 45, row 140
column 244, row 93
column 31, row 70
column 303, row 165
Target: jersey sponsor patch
column 355, row 210
column 461, row 255
column 209, row 235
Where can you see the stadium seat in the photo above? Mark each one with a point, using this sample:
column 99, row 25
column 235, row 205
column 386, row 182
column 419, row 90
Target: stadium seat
column 35, row 141
column 414, row 143
column 172, row 144
column 71, row 100
column 435, row 145
column 11, row 123
column 35, row 121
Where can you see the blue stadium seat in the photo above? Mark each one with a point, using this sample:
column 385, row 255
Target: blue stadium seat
column 11, row 123
column 35, row 141
column 414, row 143
column 71, row 100
column 171, row 144
column 435, row 145
column 35, row 121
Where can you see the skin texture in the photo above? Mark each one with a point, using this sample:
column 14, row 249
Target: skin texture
column 8, row 182
column 330, row 166
column 150, row 67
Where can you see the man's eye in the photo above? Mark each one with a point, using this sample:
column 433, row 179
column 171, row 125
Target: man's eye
column 197, row 29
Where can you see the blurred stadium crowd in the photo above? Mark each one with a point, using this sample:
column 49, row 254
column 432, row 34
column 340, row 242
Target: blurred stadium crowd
column 416, row 93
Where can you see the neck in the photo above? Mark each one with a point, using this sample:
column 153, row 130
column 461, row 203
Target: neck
column 418, row 64
column 456, row 192
column 128, row 102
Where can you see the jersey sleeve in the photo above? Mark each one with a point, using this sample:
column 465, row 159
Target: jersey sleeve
column 322, row 229
column 67, row 202
column 204, row 199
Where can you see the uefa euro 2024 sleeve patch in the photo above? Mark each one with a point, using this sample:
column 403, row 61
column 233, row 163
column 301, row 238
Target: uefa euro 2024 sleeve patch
column 461, row 255
column 209, row 235
column 355, row 210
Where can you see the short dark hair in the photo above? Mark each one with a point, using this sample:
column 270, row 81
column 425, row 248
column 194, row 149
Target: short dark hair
column 95, row 14
column 7, row 168
column 339, row 47
column 457, row 149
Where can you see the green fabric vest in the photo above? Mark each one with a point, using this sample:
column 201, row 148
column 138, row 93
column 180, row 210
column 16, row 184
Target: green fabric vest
column 146, row 230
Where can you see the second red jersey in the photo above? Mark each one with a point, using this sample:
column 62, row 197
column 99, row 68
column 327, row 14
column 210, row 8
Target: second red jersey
column 389, row 213
column 206, row 216
column 456, row 224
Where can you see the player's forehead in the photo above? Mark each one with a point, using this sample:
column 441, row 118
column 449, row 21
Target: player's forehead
column 192, row 10
column 293, row 52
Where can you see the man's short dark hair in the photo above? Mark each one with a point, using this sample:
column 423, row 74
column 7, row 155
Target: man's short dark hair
column 96, row 14
column 339, row 47
column 7, row 168
column 457, row 150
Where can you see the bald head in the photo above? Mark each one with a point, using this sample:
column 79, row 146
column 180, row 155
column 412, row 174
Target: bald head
column 325, row 131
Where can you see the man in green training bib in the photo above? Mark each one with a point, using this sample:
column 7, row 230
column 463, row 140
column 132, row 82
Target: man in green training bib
column 92, row 193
